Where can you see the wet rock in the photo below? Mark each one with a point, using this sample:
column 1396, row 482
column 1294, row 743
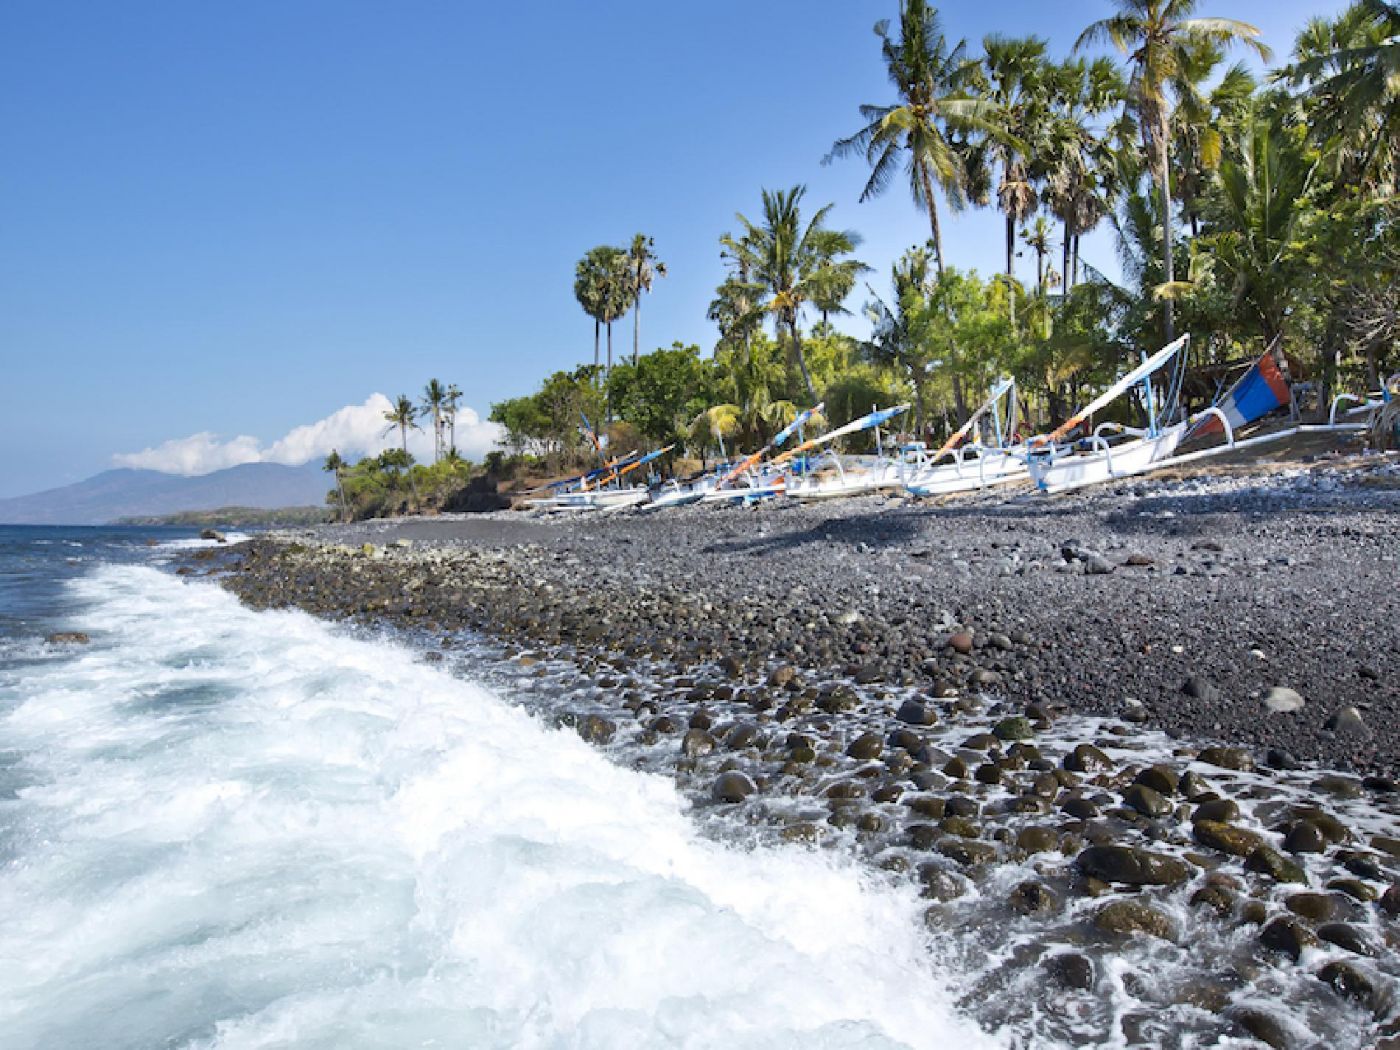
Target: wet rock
column 1193, row 786
column 1226, row 837
column 697, row 743
column 1161, row 779
column 1139, row 560
column 733, row 787
column 1216, row 898
column 987, row 773
column 913, row 713
column 1146, row 801
column 960, row 826
column 1086, row 758
column 1346, row 721
column 961, row 642
column 781, row 675
column 1390, row 900
column 865, row 747
column 1033, row 898
column 1014, row 728
column 1277, row 758
column 1130, row 916
column 1348, row 938
column 1263, row 1026
column 1098, row 565
column 1037, row 840
column 926, row 806
column 1305, row 837
column 213, row 534
column 967, row 852
column 1334, row 784
column 1348, row 982
column 596, row 729
column 67, row 638
column 1316, row 907
column 923, row 836
column 1387, row 844
column 1227, row 758
column 1269, row 861
column 1353, row 888
column 1221, row 810
column 1282, row 700
column 741, row 736
column 1287, row 936
column 1070, row 970
column 1136, row 867
column 957, row 769
column 941, row 885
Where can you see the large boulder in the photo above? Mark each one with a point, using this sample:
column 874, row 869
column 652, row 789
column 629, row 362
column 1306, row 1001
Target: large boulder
column 1136, row 867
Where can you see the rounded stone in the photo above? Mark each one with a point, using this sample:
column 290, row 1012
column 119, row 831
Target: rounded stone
column 1288, row 937
column 1070, row 970
column 1130, row 916
column 865, row 747
column 1033, row 898
column 733, row 787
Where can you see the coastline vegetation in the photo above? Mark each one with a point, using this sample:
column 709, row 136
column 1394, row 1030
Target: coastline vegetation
column 1257, row 213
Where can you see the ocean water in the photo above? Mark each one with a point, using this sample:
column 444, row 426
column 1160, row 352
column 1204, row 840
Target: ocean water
column 226, row 828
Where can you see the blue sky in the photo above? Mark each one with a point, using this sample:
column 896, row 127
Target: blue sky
column 234, row 219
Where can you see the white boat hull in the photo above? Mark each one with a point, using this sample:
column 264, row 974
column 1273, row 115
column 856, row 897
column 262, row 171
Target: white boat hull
column 1055, row 470
column 991, row 467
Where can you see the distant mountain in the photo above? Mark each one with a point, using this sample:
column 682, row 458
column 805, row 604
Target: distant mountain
column 124, row 493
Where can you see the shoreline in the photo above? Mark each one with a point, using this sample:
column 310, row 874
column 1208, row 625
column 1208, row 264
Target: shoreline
column 983, row 697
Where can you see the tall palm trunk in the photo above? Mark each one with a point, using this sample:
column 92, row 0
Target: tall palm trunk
column 927, row 183
column 340, row 491
column 1064, row 265
column 408, row 466
column 801, row 358
column 1010, row 244
column 597, row 335
column 636, row 326
column 607, row 378
column 1164, row 184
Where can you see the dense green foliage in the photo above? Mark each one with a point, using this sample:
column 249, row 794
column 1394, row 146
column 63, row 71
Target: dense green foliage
column 1253, row 215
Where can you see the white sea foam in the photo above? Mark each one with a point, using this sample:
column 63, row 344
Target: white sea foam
column 243, row 829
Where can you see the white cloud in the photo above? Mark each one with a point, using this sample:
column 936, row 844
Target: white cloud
column 353, row 431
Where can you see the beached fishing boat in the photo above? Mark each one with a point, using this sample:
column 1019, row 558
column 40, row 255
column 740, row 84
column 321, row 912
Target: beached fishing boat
column 1260, row 391
column 753, row 479
column 963, row 466
column 830, row 474
column 1056, row 467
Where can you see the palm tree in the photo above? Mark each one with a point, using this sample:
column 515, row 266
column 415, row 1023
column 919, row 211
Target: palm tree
column 1015, row 73
column 791, row 265
column 402, row 416
column 617, row 291
column 715, row 424
column 588, row 290
column 450, row 403
column 1352, row 69
column 898, row 330
column 1037, row 238
column 334, row 465
column 603, row 286
column 434, row 404
column 1263, row 189
column 930, row 83
column 1077, row 161
column 645, row 266
column 1159, row 36
column 1200, row 123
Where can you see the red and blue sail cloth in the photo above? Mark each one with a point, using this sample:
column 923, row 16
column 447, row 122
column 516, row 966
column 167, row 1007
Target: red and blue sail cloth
column 1257, row 393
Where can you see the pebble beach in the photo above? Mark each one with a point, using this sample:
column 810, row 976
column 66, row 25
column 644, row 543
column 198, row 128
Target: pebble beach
column 1137, row 746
